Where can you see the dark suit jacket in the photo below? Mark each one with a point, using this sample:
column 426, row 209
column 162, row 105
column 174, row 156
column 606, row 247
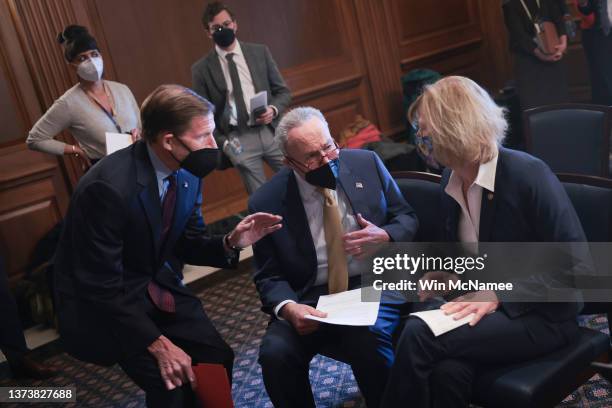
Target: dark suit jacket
column 286, row 261
column 209, row 82
column 529, row 205
column 110, row 250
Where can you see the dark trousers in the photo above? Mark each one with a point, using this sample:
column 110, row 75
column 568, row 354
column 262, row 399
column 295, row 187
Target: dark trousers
column 598, row 50
column 191, row 330
column 285, row 355
column 12, row 341
column 285, row 358
column 439, row 371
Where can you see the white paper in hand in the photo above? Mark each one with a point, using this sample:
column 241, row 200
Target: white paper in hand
column 440, row 323
column 346, row 308
column 117, row 141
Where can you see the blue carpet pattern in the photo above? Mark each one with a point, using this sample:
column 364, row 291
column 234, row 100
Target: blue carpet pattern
column 233, row 306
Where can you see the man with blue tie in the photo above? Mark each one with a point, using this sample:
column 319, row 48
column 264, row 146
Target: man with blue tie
column 597, row 43
column 333, row 203
column 134, row 219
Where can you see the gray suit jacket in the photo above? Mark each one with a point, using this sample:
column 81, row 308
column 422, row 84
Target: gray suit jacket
column 209, row 82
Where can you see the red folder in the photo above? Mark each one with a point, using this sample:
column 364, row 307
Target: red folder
column 213, row 388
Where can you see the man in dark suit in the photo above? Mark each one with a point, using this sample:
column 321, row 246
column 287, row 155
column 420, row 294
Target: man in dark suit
column 597, row 43
column 229, row 76
column 134, row 219
column 333, row 203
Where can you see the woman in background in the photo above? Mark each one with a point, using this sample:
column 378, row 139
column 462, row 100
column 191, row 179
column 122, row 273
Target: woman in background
column 90, row 108
column 541, row 78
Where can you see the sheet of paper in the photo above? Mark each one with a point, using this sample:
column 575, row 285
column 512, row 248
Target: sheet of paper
column 440, row 323
column 117, row 141
column 346, row 308
column 259, row 100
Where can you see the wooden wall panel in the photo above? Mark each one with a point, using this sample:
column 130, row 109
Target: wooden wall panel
column 144, row 54
column 345, row 57
column 13, row 123
column 33, row 198
column 33, row 189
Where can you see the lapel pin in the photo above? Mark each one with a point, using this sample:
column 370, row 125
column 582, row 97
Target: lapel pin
column 490, row 196
column 358, row 185
column 185, row 185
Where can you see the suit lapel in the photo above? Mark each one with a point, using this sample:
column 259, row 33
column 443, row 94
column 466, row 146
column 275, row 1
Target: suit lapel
column 214, row 66
column 488, row 206
column 295, row 219
column 355, row 189
column 252, row 62
column 149, row 195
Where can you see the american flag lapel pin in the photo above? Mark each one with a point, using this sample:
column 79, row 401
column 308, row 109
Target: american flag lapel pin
column 358, row 184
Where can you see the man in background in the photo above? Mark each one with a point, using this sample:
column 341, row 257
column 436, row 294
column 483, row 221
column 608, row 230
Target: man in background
column 229, row 76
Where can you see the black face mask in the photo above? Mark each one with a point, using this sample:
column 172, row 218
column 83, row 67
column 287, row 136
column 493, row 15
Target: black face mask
column 224, row 37
column 200, row 162
column 324, row 176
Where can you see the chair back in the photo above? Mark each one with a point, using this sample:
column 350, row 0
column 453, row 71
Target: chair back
column 422, row 192
column 592, row 199
column 570, row 138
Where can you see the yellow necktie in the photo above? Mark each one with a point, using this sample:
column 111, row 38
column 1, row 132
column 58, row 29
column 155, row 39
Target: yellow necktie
column 337, row 269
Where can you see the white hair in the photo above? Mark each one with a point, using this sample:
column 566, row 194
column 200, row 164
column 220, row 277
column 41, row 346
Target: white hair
column 295, row 118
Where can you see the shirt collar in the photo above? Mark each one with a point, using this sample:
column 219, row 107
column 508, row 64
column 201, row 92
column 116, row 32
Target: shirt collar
column 161, row 171
column 485, row 178
column 486, row 174
column 222, row 53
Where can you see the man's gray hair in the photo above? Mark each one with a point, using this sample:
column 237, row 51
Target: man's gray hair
column 296, row 117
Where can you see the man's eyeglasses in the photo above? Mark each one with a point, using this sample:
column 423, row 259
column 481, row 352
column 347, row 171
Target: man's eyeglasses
column 225, row 24
column 314, row 159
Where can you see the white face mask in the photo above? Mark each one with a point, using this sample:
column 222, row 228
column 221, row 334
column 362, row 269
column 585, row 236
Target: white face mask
column 91, row 69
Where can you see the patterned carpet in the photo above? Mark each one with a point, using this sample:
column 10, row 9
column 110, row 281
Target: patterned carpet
column 230, row 300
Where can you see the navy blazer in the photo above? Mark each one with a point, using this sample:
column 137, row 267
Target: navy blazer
column 110, row 250
column 286, row 261
column 529, row 205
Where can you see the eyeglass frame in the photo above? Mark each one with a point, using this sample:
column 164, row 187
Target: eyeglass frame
column 323, row 154
column 225, row 24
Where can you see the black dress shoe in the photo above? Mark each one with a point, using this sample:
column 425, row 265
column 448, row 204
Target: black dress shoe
column 605, row 370
column 25, row 367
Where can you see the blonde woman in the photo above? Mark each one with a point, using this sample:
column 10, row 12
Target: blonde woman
column 90, row 109
column 490, row 194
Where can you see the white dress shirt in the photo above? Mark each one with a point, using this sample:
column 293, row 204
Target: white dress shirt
column 469, row 219
column 313, row 205
column 246, row 81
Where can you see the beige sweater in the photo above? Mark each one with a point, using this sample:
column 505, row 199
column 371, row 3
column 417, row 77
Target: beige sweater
column 76, row 112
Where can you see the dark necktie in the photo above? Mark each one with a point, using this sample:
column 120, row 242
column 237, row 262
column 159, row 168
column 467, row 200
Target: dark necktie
column 168, row 207
column 241, row 109
column 161, row 297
